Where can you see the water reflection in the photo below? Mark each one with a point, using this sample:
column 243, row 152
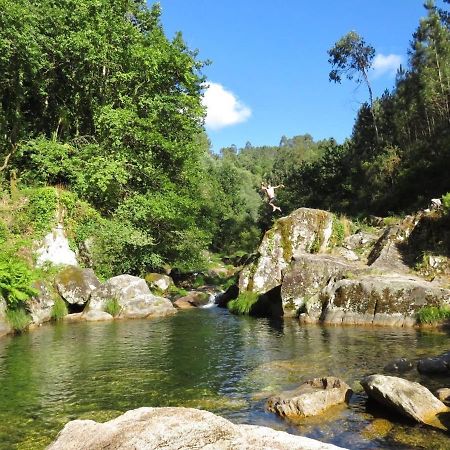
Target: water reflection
column 206, row 359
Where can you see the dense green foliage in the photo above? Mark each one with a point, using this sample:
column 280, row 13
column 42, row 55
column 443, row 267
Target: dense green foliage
column 433, row 314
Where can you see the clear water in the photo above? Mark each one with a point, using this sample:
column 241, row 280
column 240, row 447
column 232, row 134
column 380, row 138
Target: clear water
column 205, row 359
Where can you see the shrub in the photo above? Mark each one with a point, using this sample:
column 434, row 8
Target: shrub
column 433, row 314
column 113, row 307
column 16, row 281
column 59, row 309
column 446, row 202
column 337, row 233
column 18, row 318
column 244, row 303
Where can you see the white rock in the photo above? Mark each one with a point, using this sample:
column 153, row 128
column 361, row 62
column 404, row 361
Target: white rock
column 55, row 249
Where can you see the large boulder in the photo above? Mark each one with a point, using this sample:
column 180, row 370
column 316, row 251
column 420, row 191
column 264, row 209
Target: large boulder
column 305, row 278
column 173, row 429
column 133, row 296
column 381, row 300
column 159, row 282
column 75, row 284
column 435, row 365
column 311, row 398
column 5, row 327
column 304, row 230
column 405, row 397
column 55, row 249
column 41, row 305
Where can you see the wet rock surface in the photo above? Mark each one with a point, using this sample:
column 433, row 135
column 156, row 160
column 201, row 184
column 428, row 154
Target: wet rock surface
column 405, row 397
column 311, row 398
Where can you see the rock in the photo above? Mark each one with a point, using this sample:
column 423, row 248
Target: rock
column 134, row 297
column 305, row 278
column 196, row 298
column 310, row 398
column 347, row 254
column 55, row 249
column 74, row 317
column 173, row 429
column 223, row 298
column 146, row 306
column 304, row 230
column 96, row 316
column 435, row 365
column 443, row 394
column 5, row 327
column 75, row 284
column 399, row 365
column 159, row 282
column 40, row 307
column 405, row 397
column 183, row 304
column 381, row 300
column 359, row 240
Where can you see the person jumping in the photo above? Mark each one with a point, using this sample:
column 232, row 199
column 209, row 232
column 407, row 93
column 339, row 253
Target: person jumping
column 270, row 192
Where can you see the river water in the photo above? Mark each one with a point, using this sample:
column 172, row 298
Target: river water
column 206, row 359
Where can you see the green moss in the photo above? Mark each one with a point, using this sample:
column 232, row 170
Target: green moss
column 113, row 307
column 59, row 309
column 433, row 314
column 337, row 233
column 18, row 318
column 285, row 228
column 244, row 303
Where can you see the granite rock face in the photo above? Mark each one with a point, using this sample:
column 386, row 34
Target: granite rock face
column 174, row 429
column 159, row 282
column 310, row 398
column 75, row 284
column 40, row 306
column 133, row 296
column 5, row 327
column 303, row 230
column 381, row 300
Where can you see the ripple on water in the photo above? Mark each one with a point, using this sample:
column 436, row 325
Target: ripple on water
column 204, row 359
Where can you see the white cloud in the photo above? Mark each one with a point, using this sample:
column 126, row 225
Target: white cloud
column 223, row 107
column 386, row 64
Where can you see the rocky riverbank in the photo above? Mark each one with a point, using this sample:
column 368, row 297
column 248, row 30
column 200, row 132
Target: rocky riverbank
column 318, row 271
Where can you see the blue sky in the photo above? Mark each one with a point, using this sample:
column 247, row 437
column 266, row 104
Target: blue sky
column 269, row 70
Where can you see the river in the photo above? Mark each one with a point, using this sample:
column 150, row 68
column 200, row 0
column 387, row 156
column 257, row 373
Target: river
column 206, row 359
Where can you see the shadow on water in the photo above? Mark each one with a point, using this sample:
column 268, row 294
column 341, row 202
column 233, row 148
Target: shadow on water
column 204, row 359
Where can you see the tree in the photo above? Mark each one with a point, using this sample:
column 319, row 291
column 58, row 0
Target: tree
column 352, row 57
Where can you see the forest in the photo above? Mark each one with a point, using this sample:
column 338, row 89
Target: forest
column 102, row 112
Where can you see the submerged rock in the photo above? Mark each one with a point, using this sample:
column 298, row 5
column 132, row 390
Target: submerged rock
column 399, row 365
column 406, row 398
column 310, row 398
column 75, row 284
column 435, row 364
column 176, row 428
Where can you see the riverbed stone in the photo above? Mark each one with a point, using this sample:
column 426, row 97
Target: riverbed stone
column 176, row 428
column 76, row 284
column 303, row 230
column 399, row 365
column 407, row 398
column 182, row 303
column 311, row 398
column 305, row 278
column 435, row 364
column 381, row 300
column 443, row 394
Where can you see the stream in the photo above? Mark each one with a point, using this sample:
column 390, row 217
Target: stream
column 209, row 359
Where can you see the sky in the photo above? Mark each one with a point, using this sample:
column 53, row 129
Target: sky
column 269, row 68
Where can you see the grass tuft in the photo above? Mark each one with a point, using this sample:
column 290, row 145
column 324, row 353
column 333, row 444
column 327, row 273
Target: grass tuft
column 433, row 314
column 244, row 303
column 18, row 318
column 59, row 309
column 113, row 307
